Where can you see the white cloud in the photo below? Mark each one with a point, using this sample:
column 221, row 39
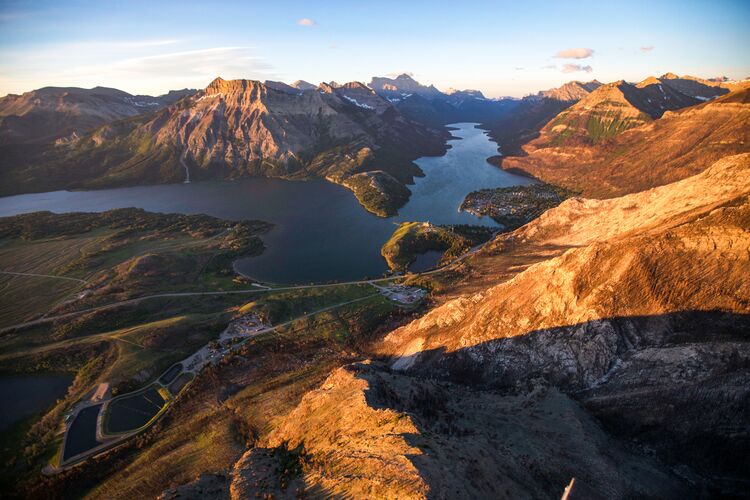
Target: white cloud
column 148, row 74
column 577, row 53
column 306, row 22
column 647, row 48
column 573, row 68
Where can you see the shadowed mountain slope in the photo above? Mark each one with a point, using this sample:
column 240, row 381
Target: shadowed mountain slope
column 53, row 113
column 242, row 128
column 367, row 432
column 649, row 304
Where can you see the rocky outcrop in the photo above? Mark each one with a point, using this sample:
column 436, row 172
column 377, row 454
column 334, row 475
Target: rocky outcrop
column 572, row 91
column 367, row 432
column 246, row 128
column 641, row 318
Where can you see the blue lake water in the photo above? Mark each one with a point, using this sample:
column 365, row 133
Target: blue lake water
column 321, row 232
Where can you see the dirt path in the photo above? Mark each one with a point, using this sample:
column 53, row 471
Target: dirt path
column 136, row 300
column 12, row 273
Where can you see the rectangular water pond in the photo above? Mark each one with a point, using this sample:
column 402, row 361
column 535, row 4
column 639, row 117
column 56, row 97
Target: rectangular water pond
column 133, row 411
column 81, row 435
column 170, row 374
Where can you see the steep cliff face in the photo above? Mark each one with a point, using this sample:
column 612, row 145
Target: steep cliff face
column 402, row 86
column 650, row 153
column 604, row 250
column 572, row 91
column 244, row 127
column 642, row 315
column 367, row 432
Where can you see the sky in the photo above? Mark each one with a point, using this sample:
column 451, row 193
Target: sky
column 501, row 48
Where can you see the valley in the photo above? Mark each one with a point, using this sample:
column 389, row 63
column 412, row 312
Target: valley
column 382, row 291
column 320, row 233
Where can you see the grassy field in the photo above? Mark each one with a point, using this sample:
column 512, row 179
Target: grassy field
column 219, row 413
column 229, row 407
column 24, row 297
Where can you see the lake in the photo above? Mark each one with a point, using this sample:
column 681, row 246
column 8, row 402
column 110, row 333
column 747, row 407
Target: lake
column 321, row 232
column 26, row 395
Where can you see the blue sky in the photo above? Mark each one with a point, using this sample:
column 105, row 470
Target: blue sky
column 501, row 48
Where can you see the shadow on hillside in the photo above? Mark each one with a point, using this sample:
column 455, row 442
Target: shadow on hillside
column 677, row 384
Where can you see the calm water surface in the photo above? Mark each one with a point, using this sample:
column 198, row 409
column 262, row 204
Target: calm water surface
column 25, row 395
column 321, row 232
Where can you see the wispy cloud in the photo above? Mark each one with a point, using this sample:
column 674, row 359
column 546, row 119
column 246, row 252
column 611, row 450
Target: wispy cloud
column 647, row 48
column 574, row 68
column 149, row 73
column 305, row 21
column 549, row 66
column 577, row 53
column 232, row 61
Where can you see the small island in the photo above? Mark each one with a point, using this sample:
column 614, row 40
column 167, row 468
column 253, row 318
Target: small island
column 414, row 238
column 516, row 205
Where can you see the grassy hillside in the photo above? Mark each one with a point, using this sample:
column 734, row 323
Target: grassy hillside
column 413, row 238
column 604, row 159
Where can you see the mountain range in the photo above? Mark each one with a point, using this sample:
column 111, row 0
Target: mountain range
column 363, row 137
column 621, row 139
column 67, row 113
column 602, row 345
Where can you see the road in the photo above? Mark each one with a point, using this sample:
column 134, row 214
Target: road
column 115, row 440
column 166, row 295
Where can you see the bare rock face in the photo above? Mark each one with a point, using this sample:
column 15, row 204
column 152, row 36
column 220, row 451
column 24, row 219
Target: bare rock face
column 303, row 85
column 367, row 432
column 403, row 85
column 643, row 318
column 571, row 91
column 240, row 128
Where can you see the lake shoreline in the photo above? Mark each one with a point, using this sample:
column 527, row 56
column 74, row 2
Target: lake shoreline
column 320, row 233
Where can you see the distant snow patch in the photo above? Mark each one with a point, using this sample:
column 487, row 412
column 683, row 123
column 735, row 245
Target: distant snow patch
column 357, row 103
column 210, row 96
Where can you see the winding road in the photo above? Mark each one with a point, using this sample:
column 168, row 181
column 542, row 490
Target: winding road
column 136, row 300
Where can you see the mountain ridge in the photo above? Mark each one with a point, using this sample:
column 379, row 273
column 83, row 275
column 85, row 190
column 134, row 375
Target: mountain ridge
column 236, row 128
column 59, row 113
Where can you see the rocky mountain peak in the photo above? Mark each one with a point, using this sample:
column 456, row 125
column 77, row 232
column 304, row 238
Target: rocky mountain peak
column 405, row 78
column 357, row 85
column 221, row 86
column 651, row 80
column 571, row 91
column 303, row 85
